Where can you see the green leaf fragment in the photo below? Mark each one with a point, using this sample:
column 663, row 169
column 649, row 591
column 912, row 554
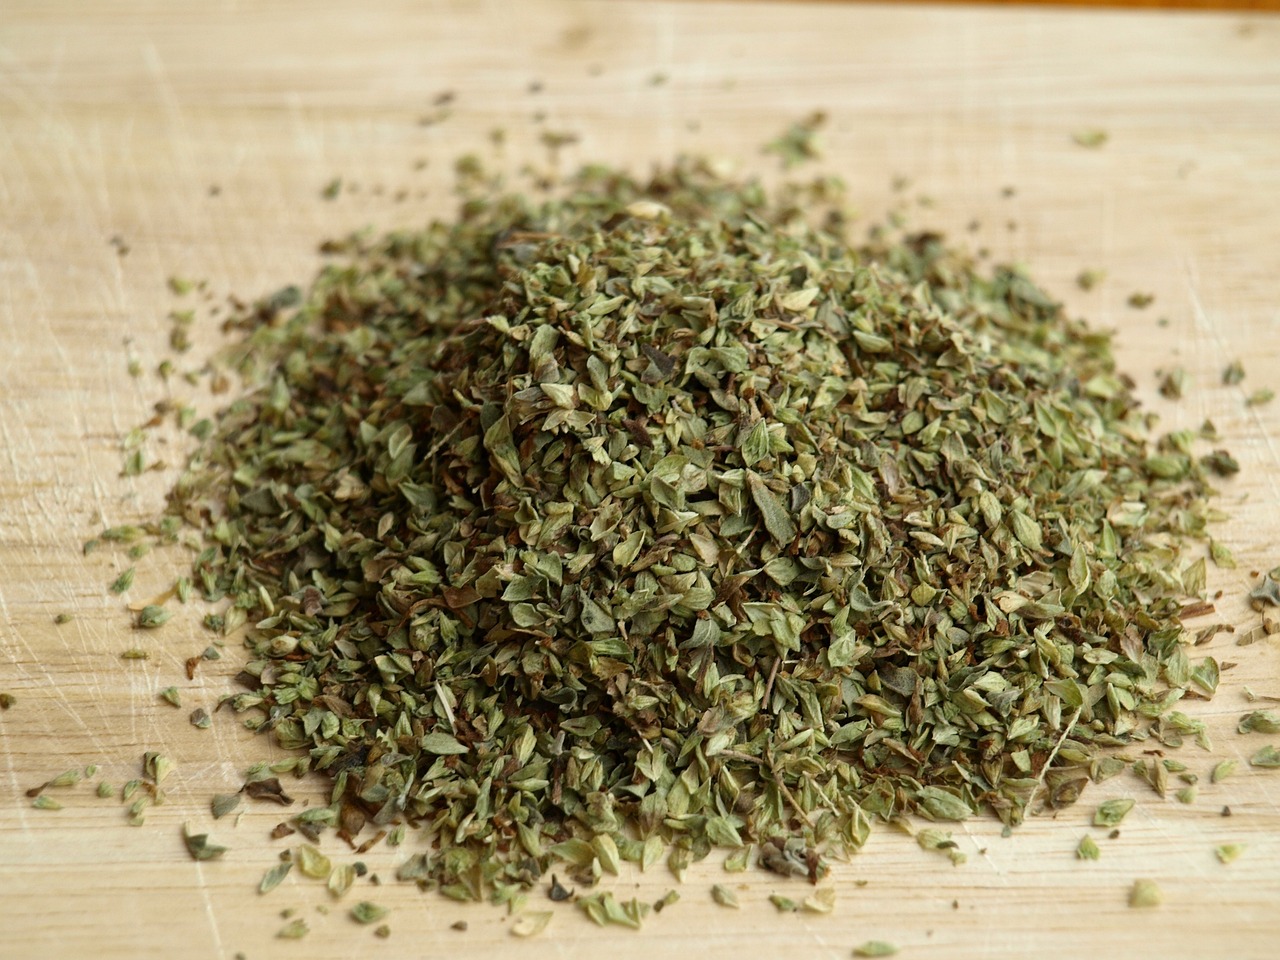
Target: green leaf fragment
column 311, row 862
column 739, row 860
column 200, row 846
column 272, row 878
column 531, row 923
column 366, row 912
column 776, row 519
column 1111, row 812
column 666, row 900
column 725, row 896
column 341, row 878
column 1222, row 770
column 822, row 900
column 68, row 778
column 1206, row 675
column 605, row 909
column 1268, row 757
column 606, row 851
column 1259, row 721
column 875, row 948
column 442, row 744
column 156, row 766
column 1145, row 893
column 152, row 616
column 123, row 582
column 1228, row 852
column 293, row 930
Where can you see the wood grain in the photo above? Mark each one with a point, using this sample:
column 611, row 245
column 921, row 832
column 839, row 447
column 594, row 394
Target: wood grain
column 117, row 122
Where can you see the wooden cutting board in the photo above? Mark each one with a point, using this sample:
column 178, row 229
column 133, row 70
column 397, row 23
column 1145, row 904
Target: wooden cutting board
column 200, row 135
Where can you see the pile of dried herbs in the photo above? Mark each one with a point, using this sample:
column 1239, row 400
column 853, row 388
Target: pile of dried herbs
column 656, row 518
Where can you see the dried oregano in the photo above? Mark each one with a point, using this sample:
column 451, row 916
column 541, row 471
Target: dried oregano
column 657, row 518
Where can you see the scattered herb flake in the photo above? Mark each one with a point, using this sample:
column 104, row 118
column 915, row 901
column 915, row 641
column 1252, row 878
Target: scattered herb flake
column 272, row 878
column 1091, row 138
column 366, row 912
column 295, row 929
column 1111, row 812
column 531, row 923
column 875, row 948
column 152, row 616
column 1268, row 756
column 1228, row 852
column 200, row 847
column 725, row 896
column 1145, row 893
column 1088, row 279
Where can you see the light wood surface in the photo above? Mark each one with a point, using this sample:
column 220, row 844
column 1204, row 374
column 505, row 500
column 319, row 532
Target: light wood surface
column 117, row 119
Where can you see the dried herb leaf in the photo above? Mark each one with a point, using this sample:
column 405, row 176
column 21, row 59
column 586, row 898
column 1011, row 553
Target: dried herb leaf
column 341, row 878
column 1228, row 852
column 1259, row 721
column 267, row 789
column 152, row 616
column 725, row 896
column 293, row 930
column 1112, row 812
column 311, row 862
column 156, row 766
column 531, row 923
column 875, row 948
column 272, row 878
column 1145, row 893
column 1222, row 770
column 822, row 900
column 123, row 582
column 366, row 912
column 1268, row 756
column 199, row 845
